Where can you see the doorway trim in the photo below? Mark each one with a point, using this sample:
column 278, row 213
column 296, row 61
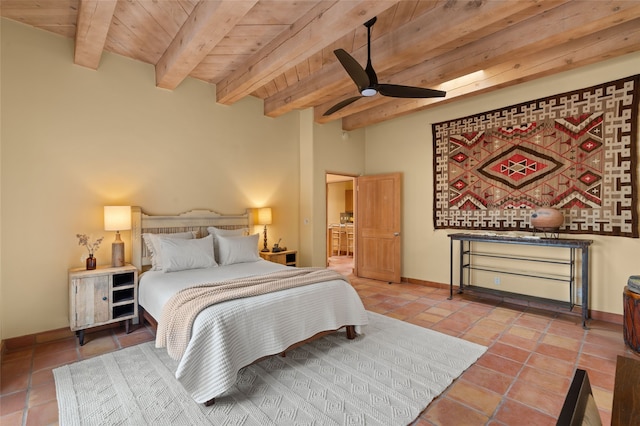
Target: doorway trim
column 335, row 177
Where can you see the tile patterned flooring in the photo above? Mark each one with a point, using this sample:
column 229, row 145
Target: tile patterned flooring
column 521, row 379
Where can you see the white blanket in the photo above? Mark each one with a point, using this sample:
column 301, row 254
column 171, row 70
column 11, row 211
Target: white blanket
column 232, row 334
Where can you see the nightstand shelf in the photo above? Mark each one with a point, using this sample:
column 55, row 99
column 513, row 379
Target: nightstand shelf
column 102, row 296
column 287, row 257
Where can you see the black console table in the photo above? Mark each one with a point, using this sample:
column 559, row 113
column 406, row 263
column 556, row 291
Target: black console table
column 467, row 253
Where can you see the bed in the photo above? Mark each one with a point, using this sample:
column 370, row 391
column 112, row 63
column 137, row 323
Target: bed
column 232, row 334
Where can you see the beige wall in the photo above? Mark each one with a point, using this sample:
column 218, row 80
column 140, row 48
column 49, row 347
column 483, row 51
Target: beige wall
column 1, row 296
column 323, row 149
column 333, row 151
column 404, row 144
column 74, row 140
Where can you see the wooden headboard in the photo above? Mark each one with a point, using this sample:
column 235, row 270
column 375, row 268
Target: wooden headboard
column 194, row 220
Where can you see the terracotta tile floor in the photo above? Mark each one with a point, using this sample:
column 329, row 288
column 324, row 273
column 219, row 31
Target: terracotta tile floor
column 522, row 379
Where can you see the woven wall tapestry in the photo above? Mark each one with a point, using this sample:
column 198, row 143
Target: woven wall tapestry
column 575, row 151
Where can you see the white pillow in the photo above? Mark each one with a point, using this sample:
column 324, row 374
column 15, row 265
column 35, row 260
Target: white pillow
column 216, row 232
column 179, row 254
column 153, row 246
column 238, row 249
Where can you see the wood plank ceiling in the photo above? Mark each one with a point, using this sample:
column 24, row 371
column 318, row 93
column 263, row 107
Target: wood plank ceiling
column 282, row 51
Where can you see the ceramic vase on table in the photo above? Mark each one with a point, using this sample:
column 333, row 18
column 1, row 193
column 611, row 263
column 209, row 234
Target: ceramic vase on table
column 547, row 219
column 91, row 262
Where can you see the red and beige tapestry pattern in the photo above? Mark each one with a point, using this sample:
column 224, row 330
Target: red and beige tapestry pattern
column 575, row 151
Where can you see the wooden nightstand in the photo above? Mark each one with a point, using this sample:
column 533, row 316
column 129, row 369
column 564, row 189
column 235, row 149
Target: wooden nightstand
column 287, row 257
column 102, row 296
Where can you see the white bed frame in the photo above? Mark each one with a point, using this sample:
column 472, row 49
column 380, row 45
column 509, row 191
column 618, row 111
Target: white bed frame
column 194, row 220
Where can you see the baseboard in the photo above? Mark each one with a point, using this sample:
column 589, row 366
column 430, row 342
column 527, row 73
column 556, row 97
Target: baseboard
column 423, row 282
column 30, row 340
column 595, row 315
column 607, row 317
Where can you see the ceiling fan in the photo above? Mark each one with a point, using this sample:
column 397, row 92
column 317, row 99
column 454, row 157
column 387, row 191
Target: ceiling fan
column 367, row 81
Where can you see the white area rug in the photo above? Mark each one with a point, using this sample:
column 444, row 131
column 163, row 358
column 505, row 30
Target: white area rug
column 386, row 376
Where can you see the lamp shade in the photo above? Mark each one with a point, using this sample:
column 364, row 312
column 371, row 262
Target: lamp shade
column 264, row 216
column 117, row 218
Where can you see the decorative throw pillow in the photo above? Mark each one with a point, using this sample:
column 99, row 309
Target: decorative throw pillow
column 238, row 249
column 153, row 246
column 179, row 254
column 216, row 232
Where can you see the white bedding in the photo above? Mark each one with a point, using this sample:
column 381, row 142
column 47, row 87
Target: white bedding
column 232, row 334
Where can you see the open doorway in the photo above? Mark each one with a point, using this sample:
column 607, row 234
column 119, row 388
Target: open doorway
column 340, row 226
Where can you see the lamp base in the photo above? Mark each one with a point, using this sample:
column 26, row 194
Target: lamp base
column 117, row 252
column 265, row 249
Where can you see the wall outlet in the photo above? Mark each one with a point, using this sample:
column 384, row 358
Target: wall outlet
column 496, row 280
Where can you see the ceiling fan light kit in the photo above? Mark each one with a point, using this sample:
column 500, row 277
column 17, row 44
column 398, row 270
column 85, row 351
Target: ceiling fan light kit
column 366, row 79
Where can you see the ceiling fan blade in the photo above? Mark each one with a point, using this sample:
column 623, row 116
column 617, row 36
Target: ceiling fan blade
column 398, row 91
column 341, row 105
column 353, row 68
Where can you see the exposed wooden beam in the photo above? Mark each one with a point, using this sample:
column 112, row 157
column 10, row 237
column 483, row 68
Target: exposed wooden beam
column 538, row 33
column 94, row 20
column 445, row 25
column 327, row 21
column 282, row 51
column 209, row 22
column 610, row 43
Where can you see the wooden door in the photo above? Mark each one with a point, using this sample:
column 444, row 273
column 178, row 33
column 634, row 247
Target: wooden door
column 378, row 220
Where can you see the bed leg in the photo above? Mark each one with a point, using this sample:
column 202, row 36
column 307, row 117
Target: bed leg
column 351, row 332
column 210, row 402
column 140, row 316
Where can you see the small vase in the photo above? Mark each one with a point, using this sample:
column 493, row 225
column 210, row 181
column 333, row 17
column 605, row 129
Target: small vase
column 91, row 262
column 547, row 219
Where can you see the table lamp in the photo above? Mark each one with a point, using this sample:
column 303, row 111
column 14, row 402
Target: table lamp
column 117, row 218
column 264, row 218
